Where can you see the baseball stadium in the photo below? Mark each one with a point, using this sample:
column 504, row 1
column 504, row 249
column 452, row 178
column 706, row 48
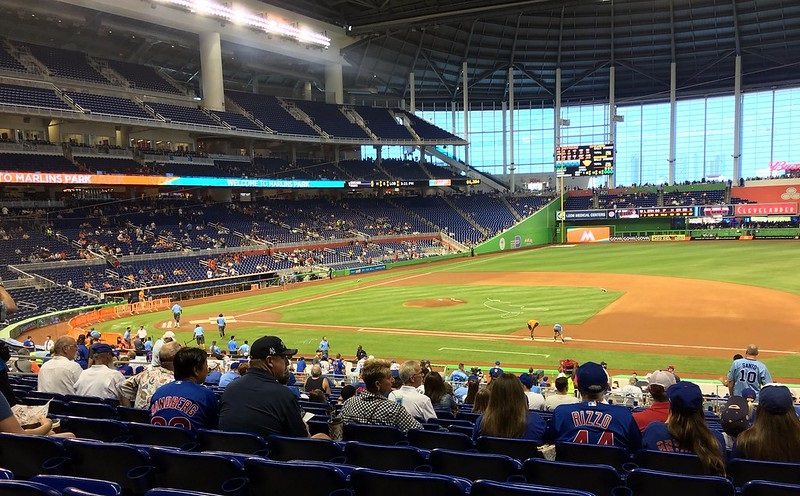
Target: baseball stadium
column 190, row 187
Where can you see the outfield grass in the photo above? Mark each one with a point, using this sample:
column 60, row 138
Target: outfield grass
column 766, row 264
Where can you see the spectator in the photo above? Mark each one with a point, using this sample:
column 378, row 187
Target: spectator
column 416, row 403
column 61, row 371
column 24, row 364
column 495, row 371
column 168, row 337
column 214, row 374
column 436, row 390
column 685, row 431
column 346, row 393
column 316, row 381
column 185, row 402
column 535, row 400
column 100, row 379
column 658, row 411
column 459, row 375
column 631, row 390
column 231, row 375
column 233, row 346
column 141, row 387
column 82, row 356
column 735, row 419
column 29, row 345
column 592, row 421
column 244, row 349
column 472, row 390
column 775, row 434
column 300, row 367
column 371, row 406
column 561, row 397
column 481, row 399
column 49, row 344
column 507, row 413
column 748, row 372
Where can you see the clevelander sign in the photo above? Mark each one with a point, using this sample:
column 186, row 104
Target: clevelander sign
column 766, row 209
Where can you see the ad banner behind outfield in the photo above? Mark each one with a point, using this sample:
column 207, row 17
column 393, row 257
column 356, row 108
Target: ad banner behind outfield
column 597, row 234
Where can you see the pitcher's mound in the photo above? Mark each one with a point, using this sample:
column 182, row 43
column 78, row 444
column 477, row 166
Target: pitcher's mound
column 434, row 303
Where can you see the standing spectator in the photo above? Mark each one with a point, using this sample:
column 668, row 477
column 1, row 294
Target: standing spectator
column 61, row 371
column 371, row 406
column 324, row 347
column 82, row 355
column 560, row 397
column 29, row 345
column 260, row 402
column 660, row 381
column 200, row 336
column 748, row 372
column 49, row 344
column 416, row 403
column 300, row 368
column 360, row 353
column 337, row 365
column 775, row 433
column 168, row 337
column 148, row 345
column 592, row 421
column 141, row 387
column 142, row 333
column 221, row 325
column 100, row 379
column 507, row 413
column 176, row 314
column 185, row 402
column 685, row 431
column 535, row 400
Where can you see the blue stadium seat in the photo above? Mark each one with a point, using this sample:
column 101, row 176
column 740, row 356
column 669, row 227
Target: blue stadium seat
column 493, row 488
column 385, row 457
column 161, row 435
column 274, row 477
column 665, row 461
column 198, row 471
column 367, row 482
column 591, row 453
column 474, row 466
column 767, row 488
column 237, row 442
column 521, row 449
column 26, row 456
column 741, row 471
column 25, row 488
column 94, row 486
column 430, row 439
column 599, row 479
column 128, row 466
column 97, row 429
column 375, row 434
column 284, row 448
column 643, row 482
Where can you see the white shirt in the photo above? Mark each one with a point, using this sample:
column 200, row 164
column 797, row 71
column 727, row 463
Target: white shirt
column 58, row 375
column 631, row 390
column 155, row 362
column 418, row 405
column 552, row 401
column 142, row 333
column 535, row 400
column 48, row 345
column 100, row 381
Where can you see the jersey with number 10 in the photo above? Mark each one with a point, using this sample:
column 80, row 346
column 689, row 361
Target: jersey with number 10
column 747, row 373
column 595, row 423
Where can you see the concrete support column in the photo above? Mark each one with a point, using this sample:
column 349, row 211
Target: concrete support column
column 53, row 131
column 737, row 120
column 122, row 136
column 412, row 90
column 307, row 91
column 512, row 167
column 334, row 87
column 465, row 87
column 211, row 71
column 612, row 120
column 673, row 122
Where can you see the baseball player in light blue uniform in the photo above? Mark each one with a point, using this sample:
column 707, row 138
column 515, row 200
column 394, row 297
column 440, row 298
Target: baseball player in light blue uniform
column 558, row 332
column 748, row 372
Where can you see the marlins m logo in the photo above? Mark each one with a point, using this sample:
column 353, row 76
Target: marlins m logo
column 587, row 237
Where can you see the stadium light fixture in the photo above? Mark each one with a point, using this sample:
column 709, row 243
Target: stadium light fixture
column 262, row 22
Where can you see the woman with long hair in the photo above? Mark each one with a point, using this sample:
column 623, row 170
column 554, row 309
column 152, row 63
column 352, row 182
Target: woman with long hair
column 685, row 430
column 507, row 413
column 775, row 434
column 472, row 390
column 481, row 399
column 436, row 390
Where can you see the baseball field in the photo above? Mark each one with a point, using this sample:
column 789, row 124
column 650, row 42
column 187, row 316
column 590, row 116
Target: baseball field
column 639, row 307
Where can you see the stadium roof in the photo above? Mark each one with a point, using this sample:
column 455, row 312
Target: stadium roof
column 432, row 38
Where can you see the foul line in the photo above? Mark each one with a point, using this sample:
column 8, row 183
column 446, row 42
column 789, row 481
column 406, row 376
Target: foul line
column 497, row 352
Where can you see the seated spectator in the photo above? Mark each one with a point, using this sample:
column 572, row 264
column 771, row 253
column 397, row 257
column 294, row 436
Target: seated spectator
column 775, row 433
column 214, row 374
column 141, row 387
column 231, row 375
column 591, row 421
column 482, row 399
column 100, row 379
column 507, row 414
column 560, row 397
column 535, row 400
column 317, row 396
column 436, row 390
column 59, row 373
column 685, row 431
column 124, row 366
column 371, row 406
column 735, row 419
column 459, row 375
column 416, row 403
column 316, row 381
column 185, row 402
column 346, row 393
column 24, row 364
column 660, row 381
column 468, row 391
column 631, row 390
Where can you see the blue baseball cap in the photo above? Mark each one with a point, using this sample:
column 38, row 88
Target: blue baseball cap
column 102, row 348
column 775, row 398
column 591, row 377
column 526, row 379
column 749, row 394
column 685, row 396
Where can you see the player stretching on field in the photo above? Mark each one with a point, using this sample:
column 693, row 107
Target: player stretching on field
column 558, row 332
column 532, row 324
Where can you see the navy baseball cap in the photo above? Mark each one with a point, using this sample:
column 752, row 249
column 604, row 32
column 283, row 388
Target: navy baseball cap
column 749, row 394
column 497, row 362
column 526, row 379
column 591, row 377
column 102, row 348
column 775, row 398
column 685, row 396
column 269, row 346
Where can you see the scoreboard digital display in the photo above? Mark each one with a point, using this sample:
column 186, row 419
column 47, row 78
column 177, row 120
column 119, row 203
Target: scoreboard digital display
column 585, row 160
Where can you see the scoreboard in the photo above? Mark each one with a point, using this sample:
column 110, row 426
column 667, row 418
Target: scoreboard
column 585, row 160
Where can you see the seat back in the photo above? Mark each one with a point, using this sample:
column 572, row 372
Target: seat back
column 643, row 482
column 474, row 466
column 521, row 449
column 384, row 457
column 26, row 456
column 89, row 409
column 97, row 429
column 275, row 477
column 430, row 439
column 375, row 434
column 122, row 463
column 94, row 486
column 283, row 448
column 493, row 488
column 130, row 414
column 742, row 471
column 592, row 453
column 161, row 491
column 767, row 488
column 236, row 442
column 161, row 435
column 666, row 461
column 367, row 482
column 598, row 479
column 26, row 488
column 195, row 471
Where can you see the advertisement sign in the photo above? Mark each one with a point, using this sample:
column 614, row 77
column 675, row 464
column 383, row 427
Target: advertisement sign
column 582, row 214
column 588, row 234
column 669, row 237
column 666, row 212
column 714, row 211
column 766, row 209
column 767, row 194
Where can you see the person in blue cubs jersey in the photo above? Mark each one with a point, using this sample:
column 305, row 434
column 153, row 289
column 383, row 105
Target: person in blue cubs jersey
column 591, row 421
column 186, row 402
column 748, row 372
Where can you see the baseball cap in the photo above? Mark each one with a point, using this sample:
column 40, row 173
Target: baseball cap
column 670, row 367
column 748, row 394
column 169, row 335
column 268, row 346
column 234, row 365
column 775, row 398
column 102, row 348
column 526, row 379
column 663, row 378
column 591, row 377
column 497, row 362
column 733, row 415
column 685, row 396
